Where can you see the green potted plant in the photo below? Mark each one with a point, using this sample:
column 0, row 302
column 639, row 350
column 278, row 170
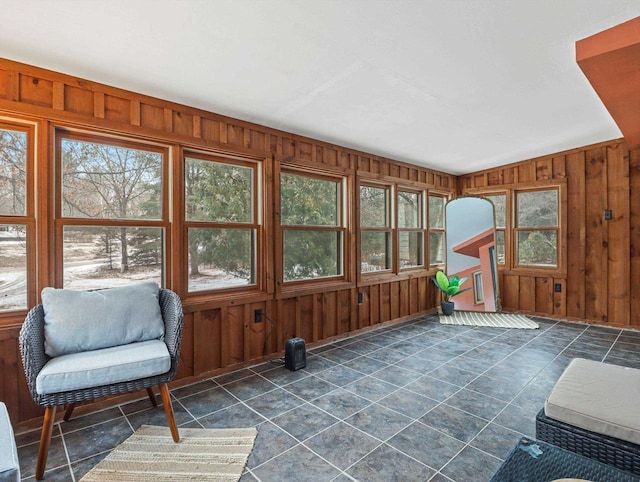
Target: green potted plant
column 450, row 287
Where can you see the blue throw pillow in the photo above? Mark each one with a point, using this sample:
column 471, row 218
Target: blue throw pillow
column 77, row 321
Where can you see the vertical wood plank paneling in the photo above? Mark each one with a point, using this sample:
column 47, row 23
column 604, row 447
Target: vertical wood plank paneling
column 495, row 178
column 9, row 367
column 394, row 299
column 510, row 176
column 303, row 150
column 182, row 123
column 286, row 321
column 134, row 112
column 526, row 172
column 560, row 298
column 527, row 300
column 559, row 167
column 374, row 303
column 209, row 347
column 385, row 302
column 57, row 96
column 364, row 308
column 235, row 135
column 353, row 319
column 596, row 241
column 618, row 236
column 167, row 119
column 305, row 324
column 187, row 356
column 197, row 127
column 344, row 311
column 544, row 169
column 257, row 140
column 152, row 117
column 288, row 147
column 117, row 109
column 510, row 289
column 330, row 308
column 576, row 235
column 9, row 85
column 634, row 233
column 318, row 315
column 79, row 101
column 210, row 129
column 480, row 180
column 544, row 295
column 414, row 295
column 247, row 331
column 36, row 91
column 98, row 105
column 404, row 298
column 235, row 331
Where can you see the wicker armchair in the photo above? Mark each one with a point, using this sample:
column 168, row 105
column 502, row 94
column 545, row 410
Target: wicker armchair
column 34, row 359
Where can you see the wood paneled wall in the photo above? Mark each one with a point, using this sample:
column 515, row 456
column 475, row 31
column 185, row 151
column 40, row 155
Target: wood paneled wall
column 601, row 256
column 219, row 333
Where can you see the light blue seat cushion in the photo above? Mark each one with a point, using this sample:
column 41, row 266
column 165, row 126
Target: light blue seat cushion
column 103, row 367
column 77, row 321
column 9, row 465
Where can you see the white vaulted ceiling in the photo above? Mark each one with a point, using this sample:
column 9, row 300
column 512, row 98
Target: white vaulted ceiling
column 448, row 84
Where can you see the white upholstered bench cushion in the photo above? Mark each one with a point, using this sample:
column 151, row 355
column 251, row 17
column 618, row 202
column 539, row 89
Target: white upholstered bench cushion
column 9, row 465
column 103, row 367
column 598, row 397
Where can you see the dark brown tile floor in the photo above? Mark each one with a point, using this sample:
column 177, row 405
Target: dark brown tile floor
column 414, row 402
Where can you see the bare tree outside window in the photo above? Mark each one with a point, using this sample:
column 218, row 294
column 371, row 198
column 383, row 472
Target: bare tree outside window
column 13, row 207
column 13, row 173
column 106, row 184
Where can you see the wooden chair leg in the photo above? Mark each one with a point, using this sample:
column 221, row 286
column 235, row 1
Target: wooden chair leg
column 168, row 410
column 45, row 441
column 69, row 411
column 152, row 397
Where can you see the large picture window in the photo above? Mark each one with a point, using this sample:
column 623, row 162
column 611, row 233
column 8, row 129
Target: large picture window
column 312, row 222
column 410, row 229
column 375, row 228
column 221, row 217
column 536, row 229
column 16, row 216
column 111, row 214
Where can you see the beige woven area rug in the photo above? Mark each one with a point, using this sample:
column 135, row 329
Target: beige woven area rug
column 201, row 455
column 497, row 320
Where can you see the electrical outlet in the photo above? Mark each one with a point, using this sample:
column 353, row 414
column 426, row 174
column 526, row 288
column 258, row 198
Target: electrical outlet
column 360, row 298
column 257, row 316
column 557, row 287
column 607, row 214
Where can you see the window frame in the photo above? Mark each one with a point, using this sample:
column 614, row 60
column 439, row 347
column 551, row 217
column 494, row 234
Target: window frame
column 478, row 288
column 342, row 227
column 510, row 266
column 446, row 198
column 505, row 230
column 60, row 222
column 421, row 229
column 388, row 229
column 517, row 229
column 28, row 219
column 256, row 224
